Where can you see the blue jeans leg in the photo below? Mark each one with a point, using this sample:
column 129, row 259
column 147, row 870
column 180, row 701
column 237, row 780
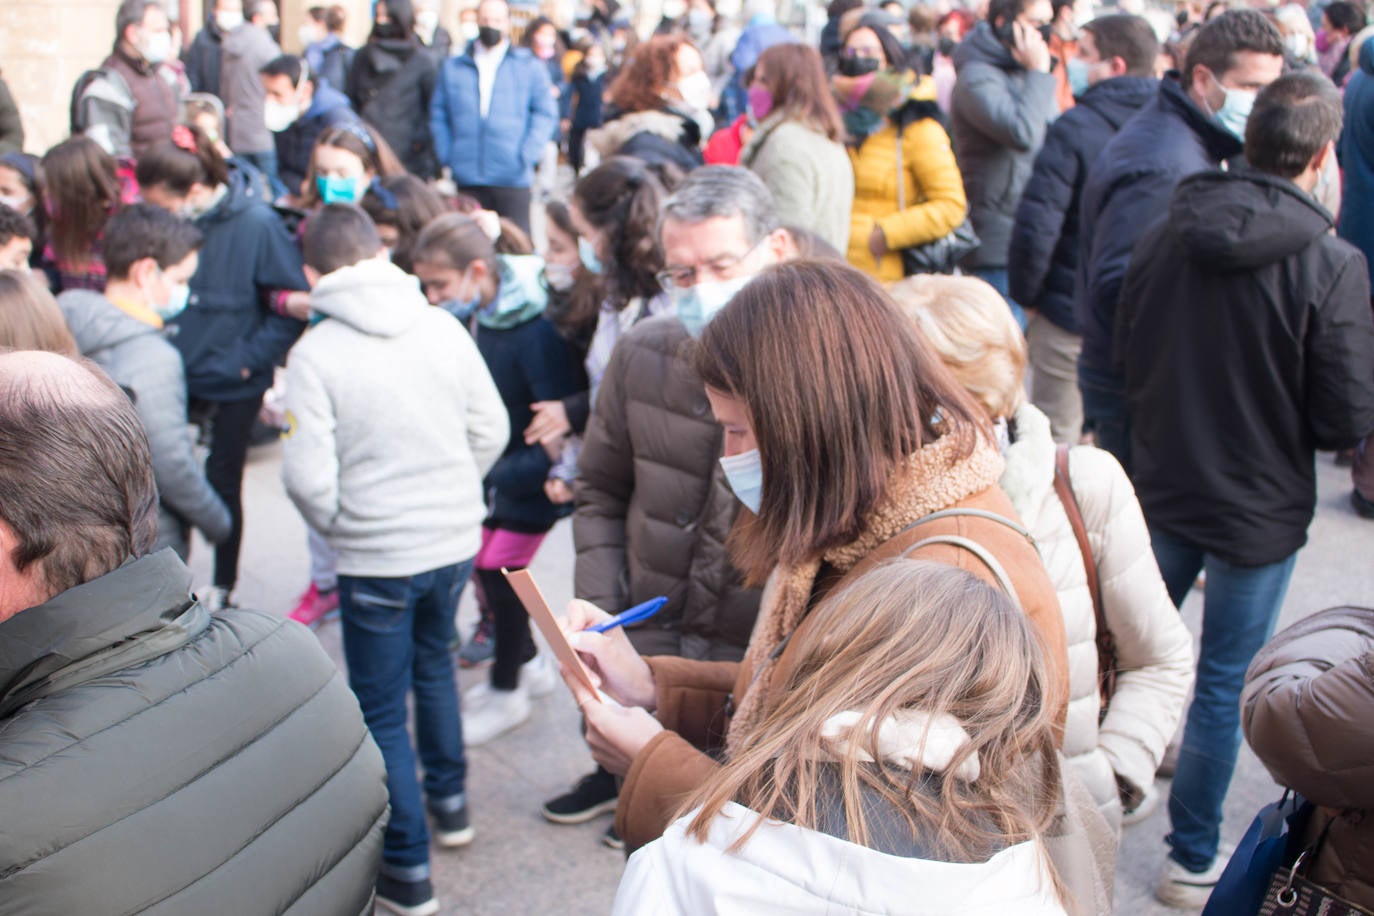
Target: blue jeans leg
column 996, row 277
column 1105, row 409
column 390, row 629
column 1239, row 610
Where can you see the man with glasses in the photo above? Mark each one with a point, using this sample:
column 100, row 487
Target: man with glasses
column 653, row 507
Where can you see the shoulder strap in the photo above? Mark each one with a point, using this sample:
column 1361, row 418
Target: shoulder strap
column 1106, row 645
column 999, row 572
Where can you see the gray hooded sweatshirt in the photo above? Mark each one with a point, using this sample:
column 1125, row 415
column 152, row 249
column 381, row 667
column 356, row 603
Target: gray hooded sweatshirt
column 144, row 364
column 392, row 422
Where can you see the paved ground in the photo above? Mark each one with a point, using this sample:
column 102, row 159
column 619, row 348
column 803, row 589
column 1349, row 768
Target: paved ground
column 521, row 864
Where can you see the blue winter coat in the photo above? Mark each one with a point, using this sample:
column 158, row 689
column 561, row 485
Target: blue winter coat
column 529, row 361
column 329, row 108
column 1357, row 157
column 588, row 110
column 503, row 148
column 1128, row 189
column 229, row 325
column 1043, row 255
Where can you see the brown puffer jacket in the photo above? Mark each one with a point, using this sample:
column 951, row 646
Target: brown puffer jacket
column 653, row 508
column 692, row 696
column 1307, row 709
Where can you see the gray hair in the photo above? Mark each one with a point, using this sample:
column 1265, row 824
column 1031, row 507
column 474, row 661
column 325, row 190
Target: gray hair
column 716, row 191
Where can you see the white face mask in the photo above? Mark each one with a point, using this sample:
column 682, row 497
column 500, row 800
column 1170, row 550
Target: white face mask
column 278, row 116
column 307, row 35
column 744, row 473
column 469, row 31
column 156, row 47
column 427, row 20
column 696, row 91
column 17, row 205
column 228, row 20
column 560, row 277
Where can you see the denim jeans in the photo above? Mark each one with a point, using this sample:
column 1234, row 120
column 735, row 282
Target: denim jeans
column 1105, row 410
column 996, row 277
column 1239, row 609
column 396, row 636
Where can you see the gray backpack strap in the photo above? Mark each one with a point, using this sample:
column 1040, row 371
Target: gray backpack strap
column 978, row 550
column 977, row 513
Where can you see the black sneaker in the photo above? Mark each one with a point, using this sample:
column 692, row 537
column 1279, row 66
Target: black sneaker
column 1364, row 508
column 406, row 898
column 451, row 828
column 612, row 839
column 594, row 794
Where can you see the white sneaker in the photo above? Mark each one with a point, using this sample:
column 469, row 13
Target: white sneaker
column 1188, row 890
column 492, row 713
column 538, row 677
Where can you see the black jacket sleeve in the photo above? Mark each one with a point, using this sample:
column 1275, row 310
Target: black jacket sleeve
column 1340, row 360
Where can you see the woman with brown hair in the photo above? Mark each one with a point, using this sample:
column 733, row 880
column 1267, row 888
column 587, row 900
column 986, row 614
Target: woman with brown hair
column 797, row 147
column 658, row 105
column 30, row 318
column 83, row 192
column 910, row 732
column 345, row 165
column 849, row 444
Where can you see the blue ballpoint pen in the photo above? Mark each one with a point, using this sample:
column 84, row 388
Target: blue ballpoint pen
column 633, row 615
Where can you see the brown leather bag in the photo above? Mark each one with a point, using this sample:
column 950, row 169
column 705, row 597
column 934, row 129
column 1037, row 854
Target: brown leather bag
column 1106, row 643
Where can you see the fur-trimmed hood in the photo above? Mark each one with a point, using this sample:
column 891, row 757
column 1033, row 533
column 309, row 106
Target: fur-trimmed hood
column 611, row 136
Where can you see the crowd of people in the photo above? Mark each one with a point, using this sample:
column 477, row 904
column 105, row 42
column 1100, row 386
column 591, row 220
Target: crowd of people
column 922, row 375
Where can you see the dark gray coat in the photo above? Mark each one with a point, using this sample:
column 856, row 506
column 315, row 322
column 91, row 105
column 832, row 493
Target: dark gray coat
column 998, row 116
column 155, row 758
column 144, row 364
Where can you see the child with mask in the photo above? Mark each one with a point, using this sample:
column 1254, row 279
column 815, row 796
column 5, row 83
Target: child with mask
column 151, row 256
column 503, row 297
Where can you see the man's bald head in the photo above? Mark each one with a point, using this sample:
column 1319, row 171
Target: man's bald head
column 77, row 496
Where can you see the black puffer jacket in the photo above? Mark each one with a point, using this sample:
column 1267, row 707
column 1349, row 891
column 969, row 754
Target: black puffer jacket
column 155, row 758
column 1044, row 242
column 1247, row 342
column 390, row 84
column 653, row 507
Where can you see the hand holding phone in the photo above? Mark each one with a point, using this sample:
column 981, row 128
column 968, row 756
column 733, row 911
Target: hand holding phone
column 1028, row 48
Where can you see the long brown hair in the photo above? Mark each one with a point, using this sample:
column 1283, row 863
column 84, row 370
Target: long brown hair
column 840, row 391
column 454, row 241
column 918, row 636
column 30, row 318
column 647, row 73
column 795, row 75
column 175, row 167
column 83, row 191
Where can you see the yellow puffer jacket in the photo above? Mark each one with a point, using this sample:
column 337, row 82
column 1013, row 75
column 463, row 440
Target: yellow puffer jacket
column 934, row 191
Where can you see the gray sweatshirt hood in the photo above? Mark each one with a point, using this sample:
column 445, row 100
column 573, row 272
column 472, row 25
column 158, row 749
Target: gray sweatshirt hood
column 97, row 323
column 374, row 297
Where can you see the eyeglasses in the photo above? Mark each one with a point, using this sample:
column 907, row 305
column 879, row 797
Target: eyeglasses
column 685, row 277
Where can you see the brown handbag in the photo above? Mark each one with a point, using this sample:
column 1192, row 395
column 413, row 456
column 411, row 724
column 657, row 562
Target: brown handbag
column 1106, row 643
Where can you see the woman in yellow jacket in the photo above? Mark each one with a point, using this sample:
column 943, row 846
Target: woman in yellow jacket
column 882, row 101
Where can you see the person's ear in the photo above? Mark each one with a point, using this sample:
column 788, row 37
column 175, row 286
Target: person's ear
column 1118, row 66
column 1319, row 161
column 142, row 271
column 781, row 245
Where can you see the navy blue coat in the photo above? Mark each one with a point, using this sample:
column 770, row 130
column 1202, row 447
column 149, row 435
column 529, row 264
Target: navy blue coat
column 529, row 362
column 1357, row 157
column 1043, row 256
column 229, row 325
column 585, row 100
column 329, row 108
column 1128, row 189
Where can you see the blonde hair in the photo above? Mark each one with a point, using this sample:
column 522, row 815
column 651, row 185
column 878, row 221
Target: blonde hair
column 30, row 318
column 908, row 635
column 969, row 324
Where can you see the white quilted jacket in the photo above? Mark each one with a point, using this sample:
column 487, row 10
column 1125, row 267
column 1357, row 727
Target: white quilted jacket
column 1154, row 649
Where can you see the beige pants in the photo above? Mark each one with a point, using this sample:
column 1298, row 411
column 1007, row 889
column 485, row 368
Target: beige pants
column 1053, row 354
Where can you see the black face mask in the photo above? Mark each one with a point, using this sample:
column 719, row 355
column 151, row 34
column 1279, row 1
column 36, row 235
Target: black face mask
column 275, row 32
column 858, row 66
column 947, row 45
column 1047, row 32
column 489, row 37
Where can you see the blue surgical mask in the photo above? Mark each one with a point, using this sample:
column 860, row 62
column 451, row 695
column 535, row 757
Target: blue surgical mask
column 744, row 473
column 461, row 308
column 336, row 190
column 587, row 252
column 1235, row 110
column 1077, row 72
column 177, row 301
column 697, row 305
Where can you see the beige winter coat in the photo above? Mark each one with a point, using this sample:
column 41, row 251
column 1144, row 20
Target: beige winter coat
column 1154, row 649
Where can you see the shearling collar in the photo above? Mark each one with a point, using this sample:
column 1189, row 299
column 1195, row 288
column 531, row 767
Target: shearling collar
column 932, row 479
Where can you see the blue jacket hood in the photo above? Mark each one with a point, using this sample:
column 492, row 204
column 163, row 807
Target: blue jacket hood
column 1116, row 99
column 326, row 100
